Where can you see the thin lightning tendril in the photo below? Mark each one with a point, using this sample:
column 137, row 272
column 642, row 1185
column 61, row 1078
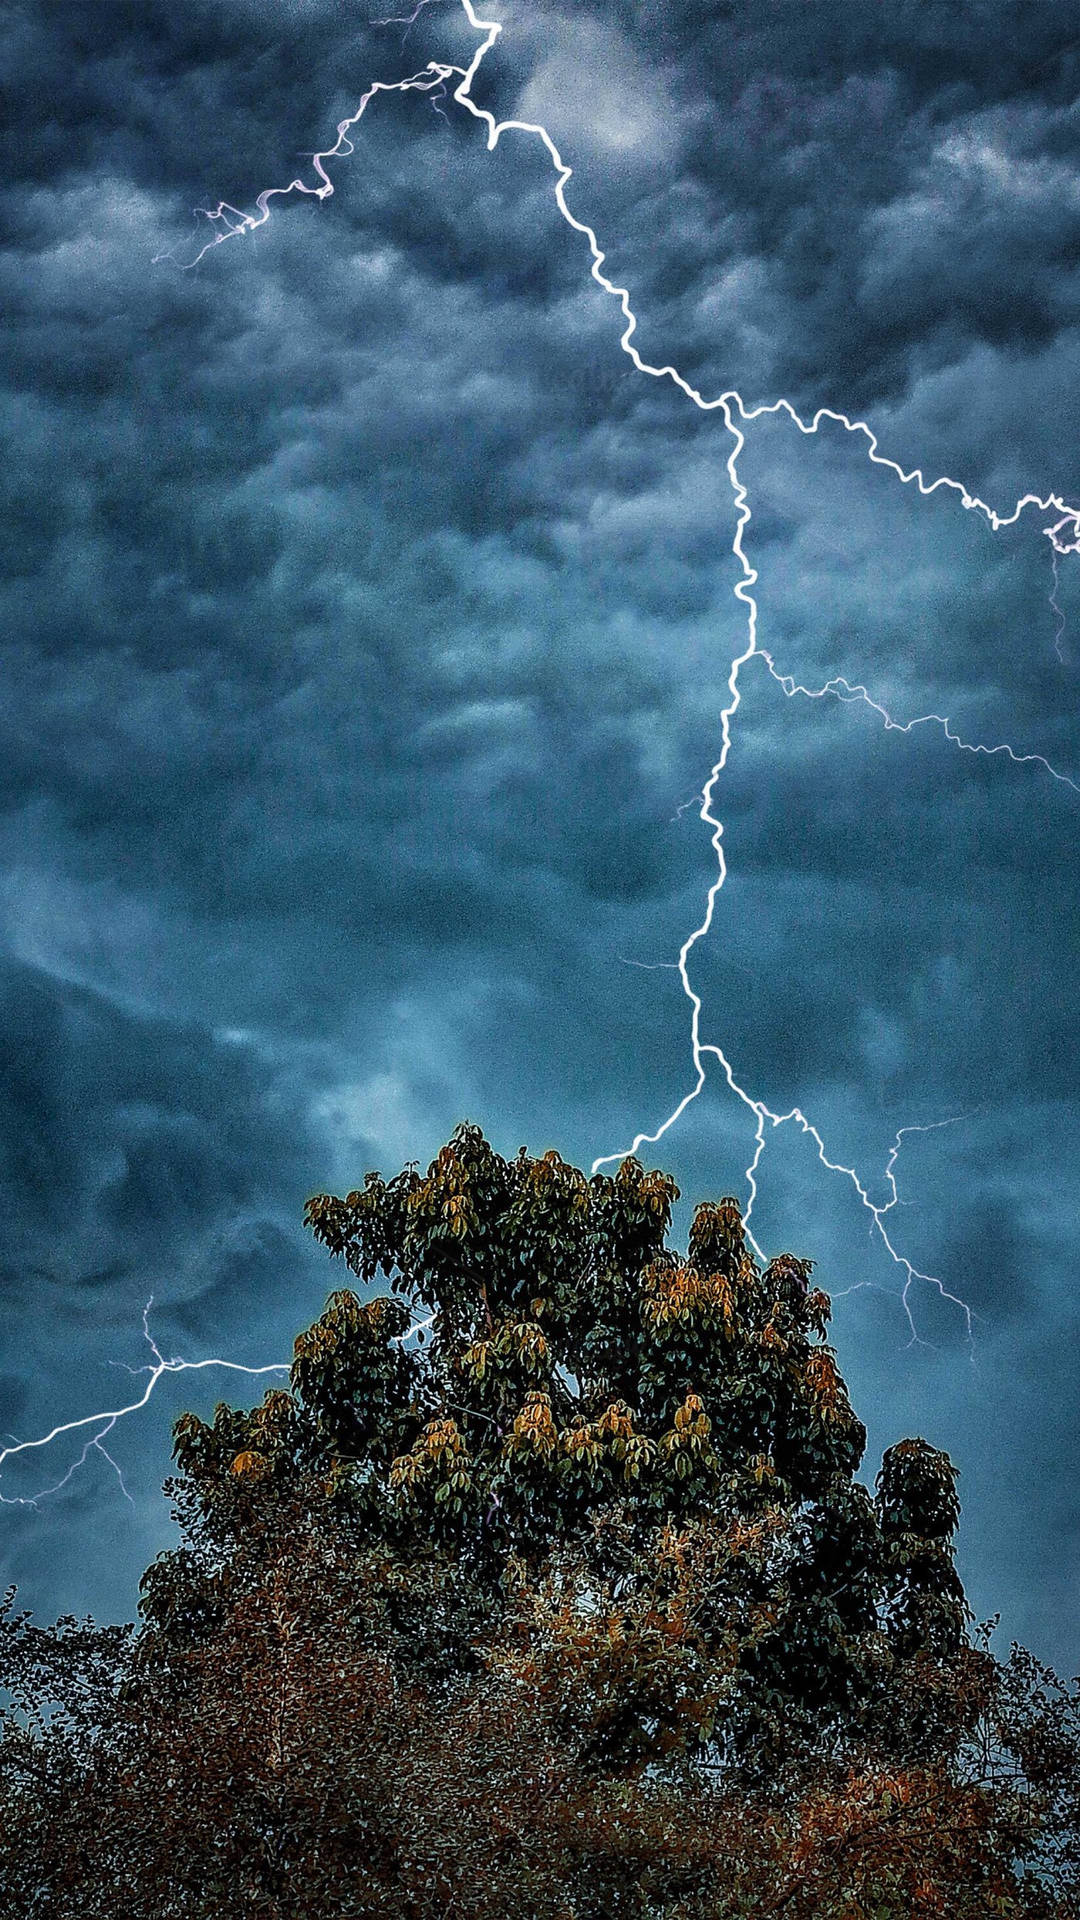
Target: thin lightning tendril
column 932, row 1126
column 1059, row 611
column 106, row 1420
column 849, row 692
column 408, row 21
column 229, row 222
column 404, row 19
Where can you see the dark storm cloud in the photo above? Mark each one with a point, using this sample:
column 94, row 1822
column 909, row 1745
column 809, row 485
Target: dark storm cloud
column 141, row 1158
column 137, row 1135
column 988, row 1258
column 366, row 621
column 847, row 187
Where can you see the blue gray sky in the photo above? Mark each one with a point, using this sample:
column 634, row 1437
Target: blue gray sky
column 367, row 624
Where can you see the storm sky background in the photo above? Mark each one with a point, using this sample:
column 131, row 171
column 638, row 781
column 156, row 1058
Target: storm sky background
column 366, row 625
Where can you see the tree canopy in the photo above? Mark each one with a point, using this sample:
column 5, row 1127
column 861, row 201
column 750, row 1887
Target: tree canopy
column 587, row 1426
column 548, row 1585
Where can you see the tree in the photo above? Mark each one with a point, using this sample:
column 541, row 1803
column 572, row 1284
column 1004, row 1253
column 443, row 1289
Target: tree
column 604, row 1438
column 548, row 1588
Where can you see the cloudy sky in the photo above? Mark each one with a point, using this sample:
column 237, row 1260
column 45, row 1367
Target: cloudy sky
column 367, row 626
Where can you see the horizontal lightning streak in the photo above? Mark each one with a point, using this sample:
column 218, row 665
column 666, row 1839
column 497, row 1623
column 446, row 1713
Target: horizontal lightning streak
column 107, row 1419
column 94, row 1444
column 849, row 692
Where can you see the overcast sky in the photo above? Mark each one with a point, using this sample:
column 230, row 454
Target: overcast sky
column 367, row 623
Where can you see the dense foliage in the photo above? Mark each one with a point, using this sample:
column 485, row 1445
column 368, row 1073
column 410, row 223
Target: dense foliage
column 547, row 1588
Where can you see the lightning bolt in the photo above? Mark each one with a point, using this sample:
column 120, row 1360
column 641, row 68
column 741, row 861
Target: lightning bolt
column 1063, row 534
column 94, row 1444
column 107, row 1419
column 229, row 222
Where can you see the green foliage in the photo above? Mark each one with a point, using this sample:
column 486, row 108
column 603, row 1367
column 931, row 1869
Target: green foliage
column 548, row 1397
column 546, row 1588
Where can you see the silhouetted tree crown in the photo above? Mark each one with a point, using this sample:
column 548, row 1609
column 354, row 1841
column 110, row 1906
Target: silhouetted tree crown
column 546, row 1590
column 609, row 1437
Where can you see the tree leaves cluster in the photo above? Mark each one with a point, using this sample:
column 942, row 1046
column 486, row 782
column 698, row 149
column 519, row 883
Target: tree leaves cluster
column 666, row 1437
column 547, row 1586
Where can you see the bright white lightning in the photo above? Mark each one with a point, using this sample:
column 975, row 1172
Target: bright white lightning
column 1063, row 534
column 105, row 1420
column 93, row 1445
column 1064, row 537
